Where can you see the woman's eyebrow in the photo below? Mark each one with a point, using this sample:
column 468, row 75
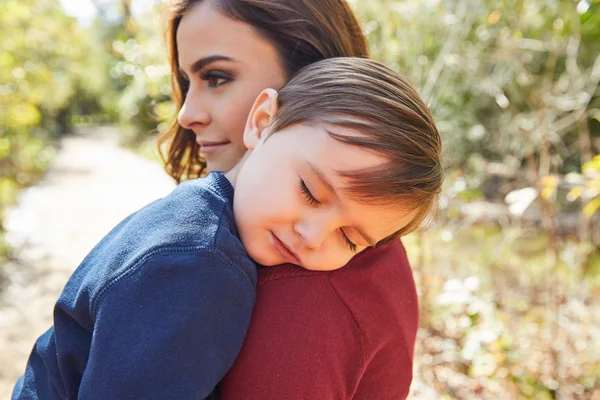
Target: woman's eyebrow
column 327, row 183
column 199, row 64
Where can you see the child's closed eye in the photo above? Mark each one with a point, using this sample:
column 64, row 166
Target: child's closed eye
column 307, row 194
column 311, row 199
column 351, row 245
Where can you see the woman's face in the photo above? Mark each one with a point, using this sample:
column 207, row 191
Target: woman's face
column 227, row 65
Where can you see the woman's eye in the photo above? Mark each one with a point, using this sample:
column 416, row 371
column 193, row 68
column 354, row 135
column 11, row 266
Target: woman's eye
column 351, row 245
column 183, row 80
column 216, row 78
column 307, row 194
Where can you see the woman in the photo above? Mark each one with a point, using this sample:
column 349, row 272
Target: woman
column 346, row 334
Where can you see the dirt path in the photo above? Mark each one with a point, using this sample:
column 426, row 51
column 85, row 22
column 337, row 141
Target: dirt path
column 91, row 185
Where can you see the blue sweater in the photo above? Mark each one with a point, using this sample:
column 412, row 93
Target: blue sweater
column 157, row 310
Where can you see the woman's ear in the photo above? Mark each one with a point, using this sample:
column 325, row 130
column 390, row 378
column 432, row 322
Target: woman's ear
column 262, row 112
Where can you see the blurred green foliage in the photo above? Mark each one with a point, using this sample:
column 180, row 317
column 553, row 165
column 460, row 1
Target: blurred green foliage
column 43, row 77
column 509, row 275
column 139, row 72
column 56, row 74
column 500, row 76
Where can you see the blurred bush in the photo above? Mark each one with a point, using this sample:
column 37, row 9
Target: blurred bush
column 136, row 63
column 45, row 78
column 505, row 79
column 56, row 74
column 508, row 297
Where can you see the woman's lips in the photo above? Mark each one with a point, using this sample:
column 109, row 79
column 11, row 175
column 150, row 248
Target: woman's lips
column 208, row 147
column 284, row 251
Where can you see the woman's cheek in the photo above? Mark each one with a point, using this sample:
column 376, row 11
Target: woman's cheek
column 239, row 103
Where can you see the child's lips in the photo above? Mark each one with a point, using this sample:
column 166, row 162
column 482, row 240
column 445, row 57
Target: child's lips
column 285, row 251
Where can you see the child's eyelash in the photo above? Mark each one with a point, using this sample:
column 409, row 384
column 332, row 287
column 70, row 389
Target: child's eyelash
column 312, row 200
column 351, row 245
column 307, row 194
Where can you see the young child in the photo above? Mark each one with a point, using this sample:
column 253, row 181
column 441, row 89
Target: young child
column 345, row 156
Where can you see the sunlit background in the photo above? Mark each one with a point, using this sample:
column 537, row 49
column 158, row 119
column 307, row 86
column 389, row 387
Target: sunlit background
column 508, row 276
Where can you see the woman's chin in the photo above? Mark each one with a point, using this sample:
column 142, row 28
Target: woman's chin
column 224, row 160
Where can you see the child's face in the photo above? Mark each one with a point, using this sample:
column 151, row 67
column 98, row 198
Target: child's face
column 290, row 207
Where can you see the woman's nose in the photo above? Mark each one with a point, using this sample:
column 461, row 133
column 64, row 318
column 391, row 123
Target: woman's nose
column 193, row 113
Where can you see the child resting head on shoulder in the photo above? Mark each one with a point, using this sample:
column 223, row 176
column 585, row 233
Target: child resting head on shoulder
column 344, row 157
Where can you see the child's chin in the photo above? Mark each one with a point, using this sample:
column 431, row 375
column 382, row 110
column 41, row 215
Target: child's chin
column 261, row 258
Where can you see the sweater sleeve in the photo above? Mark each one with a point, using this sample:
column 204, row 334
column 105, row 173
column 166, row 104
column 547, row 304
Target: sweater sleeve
column 169, row 328
column 302, row 344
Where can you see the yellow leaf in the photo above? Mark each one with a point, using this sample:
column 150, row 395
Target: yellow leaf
column 494, row 17
column 593, row 165
column 574, row 193
column 548, row 191
column 8, row 190
column 23, row 115
column 549, row 181
column 592, row 207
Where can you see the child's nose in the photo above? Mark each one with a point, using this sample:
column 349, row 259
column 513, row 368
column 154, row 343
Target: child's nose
column 312, row 234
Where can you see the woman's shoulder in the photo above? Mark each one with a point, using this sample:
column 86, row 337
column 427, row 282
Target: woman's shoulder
column 379, row 277
column 382, row 269
column 376, row 289
column 338, row 333
column 390, row 258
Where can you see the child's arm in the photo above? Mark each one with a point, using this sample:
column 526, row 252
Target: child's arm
column 168, row 326
column 171, row 328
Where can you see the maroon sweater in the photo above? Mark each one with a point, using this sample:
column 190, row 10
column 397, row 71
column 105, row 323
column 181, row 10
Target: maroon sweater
column 344, row 334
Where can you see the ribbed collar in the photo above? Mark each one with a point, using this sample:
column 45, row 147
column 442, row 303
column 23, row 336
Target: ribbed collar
column 221, row 184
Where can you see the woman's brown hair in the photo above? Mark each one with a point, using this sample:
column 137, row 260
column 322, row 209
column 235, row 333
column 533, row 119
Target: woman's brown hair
column 302, row 32
column 385, row 115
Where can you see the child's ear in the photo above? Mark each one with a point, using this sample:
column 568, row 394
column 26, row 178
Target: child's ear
column 264, row 109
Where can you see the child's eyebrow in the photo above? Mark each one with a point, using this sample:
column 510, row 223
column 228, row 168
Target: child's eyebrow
column 323, row 178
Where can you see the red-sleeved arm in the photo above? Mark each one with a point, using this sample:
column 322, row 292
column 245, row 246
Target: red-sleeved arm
column 302, row 344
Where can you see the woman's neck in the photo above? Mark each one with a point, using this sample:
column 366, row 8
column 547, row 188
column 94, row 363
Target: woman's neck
column 233, row 173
